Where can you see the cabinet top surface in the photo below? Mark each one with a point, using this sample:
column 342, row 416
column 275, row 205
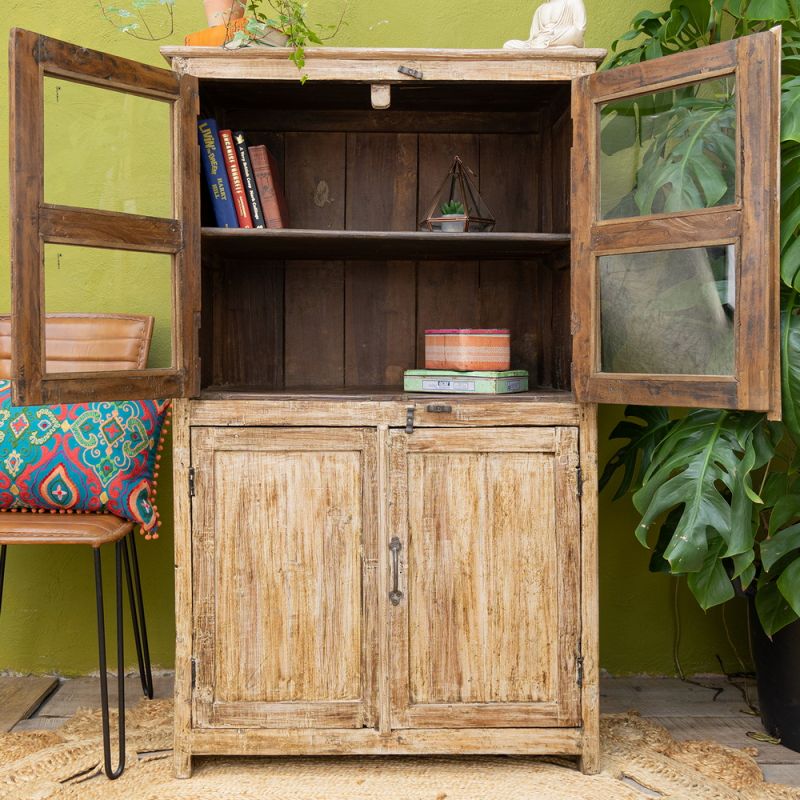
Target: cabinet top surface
column 381, row 64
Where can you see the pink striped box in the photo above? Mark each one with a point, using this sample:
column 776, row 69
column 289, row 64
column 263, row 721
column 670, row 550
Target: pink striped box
column 468, row 349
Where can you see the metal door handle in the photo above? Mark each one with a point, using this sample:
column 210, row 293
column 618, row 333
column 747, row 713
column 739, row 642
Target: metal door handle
column 395, row 545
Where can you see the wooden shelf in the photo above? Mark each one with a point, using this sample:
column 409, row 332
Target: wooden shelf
column 366, row 245
column 377, row 393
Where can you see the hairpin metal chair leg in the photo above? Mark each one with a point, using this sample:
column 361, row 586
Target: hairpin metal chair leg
column 137, row 614
column 2, row 571
column 101, row 641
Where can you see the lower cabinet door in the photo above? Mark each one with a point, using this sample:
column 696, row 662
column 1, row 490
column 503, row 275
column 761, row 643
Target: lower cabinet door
column 284, row 571
column 484, row 549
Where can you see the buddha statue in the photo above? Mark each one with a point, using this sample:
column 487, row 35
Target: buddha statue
column 556, row 23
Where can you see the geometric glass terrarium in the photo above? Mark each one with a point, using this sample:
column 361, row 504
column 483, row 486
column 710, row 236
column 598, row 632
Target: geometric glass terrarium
column 458, row 206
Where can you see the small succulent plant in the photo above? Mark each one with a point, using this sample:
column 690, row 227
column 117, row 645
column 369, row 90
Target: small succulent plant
column 452, row 207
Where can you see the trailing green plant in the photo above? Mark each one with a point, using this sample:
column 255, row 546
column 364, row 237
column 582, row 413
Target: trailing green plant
column 150, row 20
column 718, row 491
column 288, row 17
column 452, row 207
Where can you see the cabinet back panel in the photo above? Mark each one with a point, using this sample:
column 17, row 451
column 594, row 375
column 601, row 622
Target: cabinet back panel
column 275, row 325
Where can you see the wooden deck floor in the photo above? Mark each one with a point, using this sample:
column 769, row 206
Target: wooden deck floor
column 687, row 710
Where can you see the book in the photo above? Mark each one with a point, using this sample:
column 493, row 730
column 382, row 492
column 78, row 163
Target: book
column 453, row 382
column 216, row 35
column 256, row 212
column 216, row 175
column 265, row 171
column 235, row 178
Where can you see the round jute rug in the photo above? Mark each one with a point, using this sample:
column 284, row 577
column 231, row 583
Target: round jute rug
column 640, row 760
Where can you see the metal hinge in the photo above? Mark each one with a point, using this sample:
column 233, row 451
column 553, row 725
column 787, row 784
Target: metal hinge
column 194, row 673
column 579, row 475
column 410, row 419
column 191, row 481
column 579, row 664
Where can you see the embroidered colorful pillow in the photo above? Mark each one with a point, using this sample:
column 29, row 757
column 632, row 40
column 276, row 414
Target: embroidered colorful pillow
column 82, row 457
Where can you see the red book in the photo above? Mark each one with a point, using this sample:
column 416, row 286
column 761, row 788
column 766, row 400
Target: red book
column 235, row 176
column 265, row 172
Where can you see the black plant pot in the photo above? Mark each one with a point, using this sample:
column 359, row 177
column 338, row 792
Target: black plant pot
column 778, row 674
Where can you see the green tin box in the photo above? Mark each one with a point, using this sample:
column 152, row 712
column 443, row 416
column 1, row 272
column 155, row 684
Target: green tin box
column 451, row 382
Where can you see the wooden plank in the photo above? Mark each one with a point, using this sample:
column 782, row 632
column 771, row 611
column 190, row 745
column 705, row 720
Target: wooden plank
column 676, row 390
column 758, row 291
column 389, row 121
column 187, row 266
column 315, row 180
column 511, row 741
column 107, row 71
column 436, row 154
column 248, row 308
column 380, row 328
column 665, row 232
column 118, row 385
column 589, row 592
column 381, row 182
column 662, row 73
column 184, row 611
column 370, row 245
column 288, row 409
column 89, row 228
column 510, row 172
column 21, row 696
column 484, row 440
column 26, row 160
column 314, row 324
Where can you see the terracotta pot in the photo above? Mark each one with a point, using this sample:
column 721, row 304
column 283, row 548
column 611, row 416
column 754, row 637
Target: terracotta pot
column 221, row 12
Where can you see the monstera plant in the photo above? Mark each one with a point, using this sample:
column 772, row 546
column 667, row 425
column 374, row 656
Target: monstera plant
column 718, row 491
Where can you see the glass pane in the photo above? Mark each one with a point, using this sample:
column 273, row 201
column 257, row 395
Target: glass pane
column 669, row 151
column 84, row 280
column 669, row 312
column 106, row 150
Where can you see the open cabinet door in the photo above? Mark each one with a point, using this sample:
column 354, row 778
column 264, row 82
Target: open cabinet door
column 81, row 241
column 675, row 229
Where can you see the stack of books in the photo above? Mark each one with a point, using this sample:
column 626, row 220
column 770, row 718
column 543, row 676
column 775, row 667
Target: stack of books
column 243, row 182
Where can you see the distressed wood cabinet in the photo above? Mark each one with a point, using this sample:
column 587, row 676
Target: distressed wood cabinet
column 360, row 570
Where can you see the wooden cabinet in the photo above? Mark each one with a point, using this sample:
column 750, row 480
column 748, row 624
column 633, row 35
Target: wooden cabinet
column 363, row 570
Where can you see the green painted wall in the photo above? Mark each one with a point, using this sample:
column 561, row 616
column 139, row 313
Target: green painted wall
column 109, row 151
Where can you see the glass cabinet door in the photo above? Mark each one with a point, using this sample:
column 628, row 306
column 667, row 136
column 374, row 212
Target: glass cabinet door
column 675, row 229
column 104, row 165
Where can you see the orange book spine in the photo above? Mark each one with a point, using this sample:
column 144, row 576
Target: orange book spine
column 265, row 172
column 235, row 176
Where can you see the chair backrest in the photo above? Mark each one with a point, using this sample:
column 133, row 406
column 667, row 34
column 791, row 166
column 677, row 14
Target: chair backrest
column 87, row 342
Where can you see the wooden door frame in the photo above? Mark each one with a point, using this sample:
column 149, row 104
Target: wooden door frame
column 35, row 223
column 565, row 709
column 750, row 224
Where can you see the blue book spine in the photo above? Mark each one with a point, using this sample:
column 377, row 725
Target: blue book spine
column 216, row 175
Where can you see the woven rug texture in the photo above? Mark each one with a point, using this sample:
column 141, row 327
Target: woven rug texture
column 639, row 760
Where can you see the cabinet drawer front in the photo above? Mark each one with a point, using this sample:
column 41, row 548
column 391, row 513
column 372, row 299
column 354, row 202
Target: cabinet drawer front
column 283, row 564
column 486, row 633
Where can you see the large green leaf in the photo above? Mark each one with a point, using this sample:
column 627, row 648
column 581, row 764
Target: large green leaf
column 774, row 611
column 711, row 586
column 781, row 544
column 789, row 585
column 704, row 465
column 790, row 362
column 634, row 457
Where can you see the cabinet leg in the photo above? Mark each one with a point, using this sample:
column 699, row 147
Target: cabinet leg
column 589, row 761
column 182, row 763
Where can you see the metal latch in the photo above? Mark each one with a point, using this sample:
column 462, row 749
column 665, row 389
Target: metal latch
column 580, row 671
column 194, row 673
column 410, row 419
column 579, row 474
column 191, row 481
column 412, row 73
column 433, row 409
